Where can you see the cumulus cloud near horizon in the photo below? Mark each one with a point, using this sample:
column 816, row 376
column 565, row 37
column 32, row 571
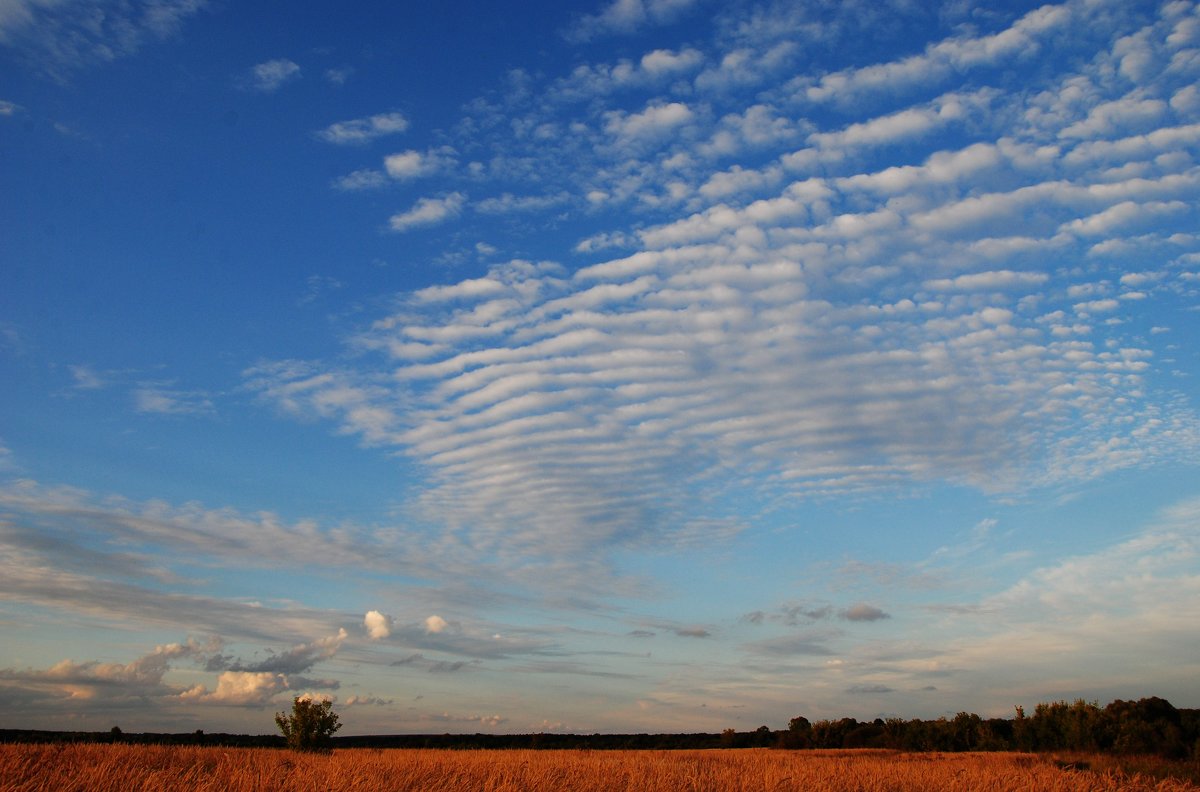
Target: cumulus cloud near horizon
column 377, row 625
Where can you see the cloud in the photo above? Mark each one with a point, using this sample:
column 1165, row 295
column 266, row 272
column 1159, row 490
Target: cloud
column 363, row 179
column 653, row 122
column 1120, row 116
column 297, row 660
column 746, row 66
column 377, row 625
column 803, row 645
column 436, row 624
column 98, row 535
column 414, row 164
column 627, row 16
column 239, row 688
column 142, row 682
column 87, row 378
column 363, row 130
column 863, row 613
column 912, row 122
column 272, row 75
column 428, row 211
column 94, row 683
column 988, row 281
column 61, row 38
column 867, row 314
column 588, row 81
column 940, row 60
column 367, row 701
column 162, row 400
column 508, row 203
column 1083, row 622
column 419, row 660
column 339, row 76
column 668, row 62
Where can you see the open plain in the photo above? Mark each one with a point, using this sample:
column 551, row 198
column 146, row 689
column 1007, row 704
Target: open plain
column 120, row 768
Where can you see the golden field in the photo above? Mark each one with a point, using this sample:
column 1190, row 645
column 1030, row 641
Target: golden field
column 124, row 768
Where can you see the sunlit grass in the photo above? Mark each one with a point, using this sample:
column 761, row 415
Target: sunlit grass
column 120, row 768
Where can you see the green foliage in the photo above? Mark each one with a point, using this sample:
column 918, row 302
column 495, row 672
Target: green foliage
column 310, row 725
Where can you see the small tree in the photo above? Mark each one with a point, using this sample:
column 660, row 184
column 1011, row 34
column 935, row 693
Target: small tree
column 310, row 725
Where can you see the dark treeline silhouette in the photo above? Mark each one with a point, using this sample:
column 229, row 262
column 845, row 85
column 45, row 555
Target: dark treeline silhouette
column 1146, row 726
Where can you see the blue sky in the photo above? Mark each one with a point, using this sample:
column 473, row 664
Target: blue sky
column 647, row 365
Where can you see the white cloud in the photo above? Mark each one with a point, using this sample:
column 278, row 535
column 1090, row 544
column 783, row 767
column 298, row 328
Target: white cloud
column 1186, row 101
column 662, row 62
column 1050, row 630
column 1096, row 306
column 899, row 126
column 364, row 179
column 653, row 122
column 744, row 327
column 428, row 211
column 86, row 378
column 241, row 688
column 627, row 16
column 1122, row 215
column 364, row 130
column 994, row 280
column 272, row 75
column 164, row 400
column 377, row 625
column 1121, row 116
column 413, row 164
column 93, row 682
column 436, row 624
column 339, row 76
column 588, row 81
column 508, row 203
column 746, row 66
column 940, row 60
column 64, row 37
column 1149, row 144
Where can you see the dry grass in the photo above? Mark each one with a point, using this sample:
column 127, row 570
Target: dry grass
column 125, row 768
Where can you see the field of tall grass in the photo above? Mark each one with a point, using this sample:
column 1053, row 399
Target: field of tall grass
column 123, row 768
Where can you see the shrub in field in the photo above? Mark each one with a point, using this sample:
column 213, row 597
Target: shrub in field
column 310, row 725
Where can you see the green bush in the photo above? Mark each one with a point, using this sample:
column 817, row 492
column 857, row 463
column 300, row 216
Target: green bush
column 310, row 725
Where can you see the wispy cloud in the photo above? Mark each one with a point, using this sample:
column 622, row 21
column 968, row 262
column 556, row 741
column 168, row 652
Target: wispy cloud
column 428, row 211
column 61, row 38
column 627, row 16
column 364, row 130
column 162, row 399
column 270, row 76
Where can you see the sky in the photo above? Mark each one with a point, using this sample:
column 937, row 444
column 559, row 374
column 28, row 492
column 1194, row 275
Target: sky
column 607, row 366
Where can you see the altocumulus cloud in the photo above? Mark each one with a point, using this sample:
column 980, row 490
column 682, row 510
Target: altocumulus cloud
column 820, row 327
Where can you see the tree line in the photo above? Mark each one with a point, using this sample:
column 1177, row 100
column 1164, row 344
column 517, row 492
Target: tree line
column 1146, row 726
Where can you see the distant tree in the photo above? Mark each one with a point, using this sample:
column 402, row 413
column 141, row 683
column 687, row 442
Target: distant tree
column 310, row 725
